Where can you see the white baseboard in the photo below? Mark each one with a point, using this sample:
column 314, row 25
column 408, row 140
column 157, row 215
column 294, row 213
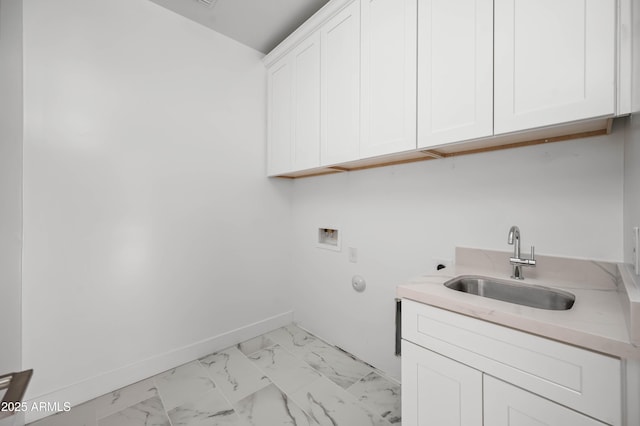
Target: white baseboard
column 110, row 381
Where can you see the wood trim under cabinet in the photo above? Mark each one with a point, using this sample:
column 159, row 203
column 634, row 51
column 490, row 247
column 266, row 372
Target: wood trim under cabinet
column 603, row 127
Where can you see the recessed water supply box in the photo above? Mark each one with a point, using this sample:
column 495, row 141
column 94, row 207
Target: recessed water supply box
column 329, row 238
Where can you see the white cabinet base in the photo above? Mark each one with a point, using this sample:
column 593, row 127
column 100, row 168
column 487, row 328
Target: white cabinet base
column 438, row 391
column 507, row 405
column 585, row 384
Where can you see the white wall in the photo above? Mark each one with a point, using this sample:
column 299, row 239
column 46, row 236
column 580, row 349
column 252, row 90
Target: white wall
column 631, row 185
column 632, row 147
column 566, row 198
column 10, row 183
column 149, row 227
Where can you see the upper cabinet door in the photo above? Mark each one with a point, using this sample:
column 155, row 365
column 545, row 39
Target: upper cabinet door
column 340, row 76
column 305, row 60
column 279, row 124
column 554, row 62
column 455, row 70
column 388, row 120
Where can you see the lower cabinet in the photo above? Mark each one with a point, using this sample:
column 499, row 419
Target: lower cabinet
column 460, row 370
column 440, row 391
column 437, row 390
column 507, row 405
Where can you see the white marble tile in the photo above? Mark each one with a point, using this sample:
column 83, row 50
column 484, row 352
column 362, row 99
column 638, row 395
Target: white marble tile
column 183, row 384
column 337, row 365
column 234, row 374
column 330, row 405
column 381, row 395
column 81, row 415
column 270, row 407
column 292, row 338
column 254, row 345
column 145, row 413
column 284, row 369
column 126, row 397
column 212, row 409
column 229, row 388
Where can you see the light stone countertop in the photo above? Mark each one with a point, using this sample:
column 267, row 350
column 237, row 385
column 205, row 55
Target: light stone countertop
column 596, row 321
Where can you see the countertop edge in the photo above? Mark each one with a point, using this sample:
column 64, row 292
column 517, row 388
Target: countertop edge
column 597, row 343
column 630, row 300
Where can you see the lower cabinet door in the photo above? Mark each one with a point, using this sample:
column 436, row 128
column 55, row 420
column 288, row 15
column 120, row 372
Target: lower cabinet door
column 437, row 391
column 505, row 404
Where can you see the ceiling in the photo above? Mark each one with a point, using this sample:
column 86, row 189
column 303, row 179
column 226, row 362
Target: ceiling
column 260, row 24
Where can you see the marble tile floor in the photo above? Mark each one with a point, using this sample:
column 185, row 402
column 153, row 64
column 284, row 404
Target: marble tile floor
column 284, row 377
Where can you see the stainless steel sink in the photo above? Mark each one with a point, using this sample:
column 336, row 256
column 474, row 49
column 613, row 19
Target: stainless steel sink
column 518, row 293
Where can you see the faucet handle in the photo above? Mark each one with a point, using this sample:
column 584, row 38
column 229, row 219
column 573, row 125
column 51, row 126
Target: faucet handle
column 533, row 252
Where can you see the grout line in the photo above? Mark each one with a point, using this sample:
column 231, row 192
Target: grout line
column 164, row 406
column 129, row 405
column 372, row 409
column 357, row 381
column 216, row 384
column 273, row 382
column 261, row 349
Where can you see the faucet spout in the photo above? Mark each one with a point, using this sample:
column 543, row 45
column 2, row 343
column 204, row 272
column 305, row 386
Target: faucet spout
column 514, row 239
column 516, row 261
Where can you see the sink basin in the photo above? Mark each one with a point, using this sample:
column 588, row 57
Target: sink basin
column 534, row 296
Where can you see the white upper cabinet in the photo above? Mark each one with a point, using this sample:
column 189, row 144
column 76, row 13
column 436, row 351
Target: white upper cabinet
column 554, row 62
column 388, row 120
column 369, row 82
column 293, row 115
column 455, row 70
column 305, row 60
column 340, row 85
column 279, row 124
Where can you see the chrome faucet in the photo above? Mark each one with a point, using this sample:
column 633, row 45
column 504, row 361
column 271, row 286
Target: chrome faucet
column 516, row 261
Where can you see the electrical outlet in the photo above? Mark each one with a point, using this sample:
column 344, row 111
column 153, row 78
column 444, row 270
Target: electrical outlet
column 353, row 255
column 441, row 261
